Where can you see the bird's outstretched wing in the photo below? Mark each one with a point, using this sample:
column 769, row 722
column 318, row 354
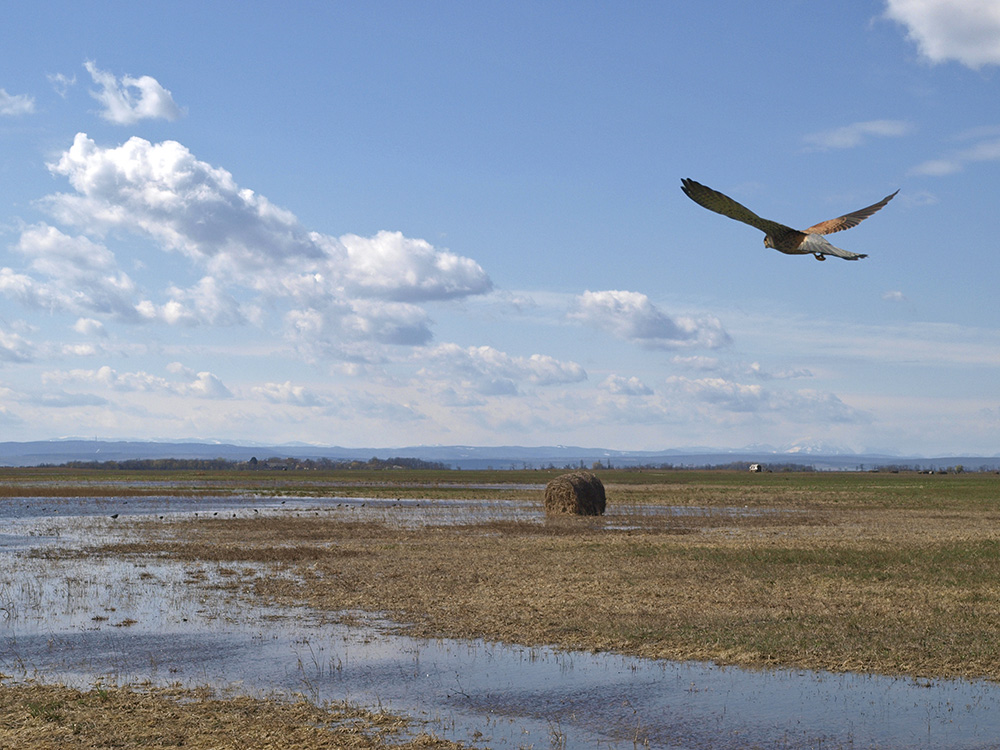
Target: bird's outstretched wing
column 713, row 200
column 848, row 220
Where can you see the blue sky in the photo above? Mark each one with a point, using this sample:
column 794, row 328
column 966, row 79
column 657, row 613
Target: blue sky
column 386, row 224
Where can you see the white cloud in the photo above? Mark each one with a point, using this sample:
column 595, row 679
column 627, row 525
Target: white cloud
column 893, row 296
column 728, row 394
column 206, row 385
column 756, row 370
column 335, row 289
column 730, row 397
column 396, row 267
column 205, row 303
column 14, row 348
column 696, row 362
column 58, row 255
column 491, row 372
column 286, row 393
column 131, row 99
column 80, row 275
column 633, row 317
column 61, row 83
column 12, row 105
column 79, row 350
column 89, row 327
column 937, row 167
column 620, row 386
column 987, row 149
column 722, row 370
column 199, row 385
column 329, row 327
column 188, row 205
column 855, row 134
column 63, row 400
column 967, row 31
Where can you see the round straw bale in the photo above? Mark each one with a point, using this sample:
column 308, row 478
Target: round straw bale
column 579, row 493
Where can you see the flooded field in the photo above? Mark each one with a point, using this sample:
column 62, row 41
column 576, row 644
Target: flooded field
column 81, row 619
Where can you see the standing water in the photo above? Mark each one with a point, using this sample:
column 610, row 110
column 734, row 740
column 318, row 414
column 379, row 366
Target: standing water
column 80, row 620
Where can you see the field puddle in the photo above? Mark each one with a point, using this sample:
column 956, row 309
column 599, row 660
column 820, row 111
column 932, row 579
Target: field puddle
column 81, row 620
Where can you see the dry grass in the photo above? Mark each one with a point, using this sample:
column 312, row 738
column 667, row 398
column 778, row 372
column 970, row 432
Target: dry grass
column 827, row 579
column 895, row 574
column 47, row 716
column 579, row 493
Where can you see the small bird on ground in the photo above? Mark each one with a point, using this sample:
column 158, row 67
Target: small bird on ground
column 784, row 239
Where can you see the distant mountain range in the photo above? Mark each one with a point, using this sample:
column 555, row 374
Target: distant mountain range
column 476, row 457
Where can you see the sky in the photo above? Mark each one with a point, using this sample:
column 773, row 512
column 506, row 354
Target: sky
column 380, row 224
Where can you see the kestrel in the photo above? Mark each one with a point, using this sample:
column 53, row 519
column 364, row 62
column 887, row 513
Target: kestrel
column 778, row 236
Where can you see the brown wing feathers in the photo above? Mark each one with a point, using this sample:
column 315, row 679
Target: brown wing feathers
column 713, row 200
column 849, row 220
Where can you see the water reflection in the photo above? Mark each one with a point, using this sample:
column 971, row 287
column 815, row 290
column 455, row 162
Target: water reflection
column 80, row 620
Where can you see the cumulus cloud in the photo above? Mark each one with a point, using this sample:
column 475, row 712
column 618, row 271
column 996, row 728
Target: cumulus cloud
column 893, row 295
column 396, row 267
column 89, row 327
column 491, row 372
column 633, row 317
column 352, row 287
column 324, row 329
column 77, row 275
column 205, row 303
column 967, row 31
column 128, row 100
column 858, row 133
column 205, row 385
column 199, row 385
column 12, row 105
column 621, row 386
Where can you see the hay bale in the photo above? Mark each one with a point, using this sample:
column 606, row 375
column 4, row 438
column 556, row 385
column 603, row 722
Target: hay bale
column 580, row 493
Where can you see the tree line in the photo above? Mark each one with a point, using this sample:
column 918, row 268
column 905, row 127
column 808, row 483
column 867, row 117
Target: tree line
column 268, row 464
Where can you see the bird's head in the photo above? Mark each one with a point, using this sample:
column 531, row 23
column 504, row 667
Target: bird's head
column 768, row 242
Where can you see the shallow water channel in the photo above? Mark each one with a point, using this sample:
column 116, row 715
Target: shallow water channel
column 80, row 621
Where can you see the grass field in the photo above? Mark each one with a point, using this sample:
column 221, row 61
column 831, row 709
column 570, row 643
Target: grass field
column 889, row 573
column 874, row 572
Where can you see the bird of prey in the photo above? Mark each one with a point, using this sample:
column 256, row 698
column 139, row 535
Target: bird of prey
column 778, row 236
